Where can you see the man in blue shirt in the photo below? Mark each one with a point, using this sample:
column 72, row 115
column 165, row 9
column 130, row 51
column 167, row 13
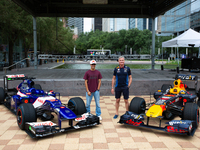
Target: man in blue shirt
column 122, row 75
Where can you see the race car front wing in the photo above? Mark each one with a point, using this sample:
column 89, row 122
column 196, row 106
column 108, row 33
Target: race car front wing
column 41, row 129
column 184, row 127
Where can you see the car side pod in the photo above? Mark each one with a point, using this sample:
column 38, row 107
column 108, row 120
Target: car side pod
column 183, row 127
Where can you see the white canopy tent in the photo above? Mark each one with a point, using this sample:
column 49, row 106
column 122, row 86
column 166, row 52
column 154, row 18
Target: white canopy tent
column 188, row 37
column 184, row 40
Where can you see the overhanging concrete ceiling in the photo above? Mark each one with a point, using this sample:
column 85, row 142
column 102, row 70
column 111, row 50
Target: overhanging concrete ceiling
column 98, row 8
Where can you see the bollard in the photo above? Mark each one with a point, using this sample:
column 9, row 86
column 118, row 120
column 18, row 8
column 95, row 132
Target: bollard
column 57, row 61
column 177, row 69
column 162, row 67
column 63, row 60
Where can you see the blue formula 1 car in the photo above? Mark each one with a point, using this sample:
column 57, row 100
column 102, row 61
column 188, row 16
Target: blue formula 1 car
column 29, row 102
column 170, row 102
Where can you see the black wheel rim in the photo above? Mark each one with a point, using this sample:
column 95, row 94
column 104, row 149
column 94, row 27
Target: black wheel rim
column 143, row 107
column 71, row 106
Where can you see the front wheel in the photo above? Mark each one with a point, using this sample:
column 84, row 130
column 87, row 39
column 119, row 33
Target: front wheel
column 137, row 105
column 191, row 112
column 25, row 113
column 77, row 105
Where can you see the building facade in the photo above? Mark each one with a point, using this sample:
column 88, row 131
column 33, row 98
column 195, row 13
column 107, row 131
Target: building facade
column 75, row 23
column 140, row 23
column 195, row 21
column 175, row 20
column 114, row 24
column 97, row 24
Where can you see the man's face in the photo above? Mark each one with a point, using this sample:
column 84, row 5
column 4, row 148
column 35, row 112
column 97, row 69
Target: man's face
column 93, row 66
column 121, row 61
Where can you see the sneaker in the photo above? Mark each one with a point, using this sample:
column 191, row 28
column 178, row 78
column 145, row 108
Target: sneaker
column 100, row 118
column 115, row 117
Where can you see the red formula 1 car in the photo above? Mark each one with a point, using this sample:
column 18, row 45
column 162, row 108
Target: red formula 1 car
column 169, row 103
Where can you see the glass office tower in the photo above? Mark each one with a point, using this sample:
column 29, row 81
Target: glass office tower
column 114, row 24
column 175, row 20
column 140, row 23
column 74, row 22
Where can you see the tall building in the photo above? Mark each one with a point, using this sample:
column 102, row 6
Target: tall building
column 97, row 24
column 175, row 20
column 140, row 23
column 74, row 22
column 195, row 15
column 114, row 24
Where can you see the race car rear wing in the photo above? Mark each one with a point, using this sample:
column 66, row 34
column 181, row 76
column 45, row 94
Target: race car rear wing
column 11, row 78
column 188, row 78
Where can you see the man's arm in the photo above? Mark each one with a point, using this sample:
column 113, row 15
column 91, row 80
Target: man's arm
column 130, row 80
column 113, row 82
column 86, row 86
column 99, row 84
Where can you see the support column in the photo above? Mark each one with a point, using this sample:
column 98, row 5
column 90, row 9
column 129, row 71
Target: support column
column 153, row 44
column 35, row 42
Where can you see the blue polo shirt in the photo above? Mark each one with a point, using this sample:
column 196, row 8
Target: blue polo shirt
column 122, row 76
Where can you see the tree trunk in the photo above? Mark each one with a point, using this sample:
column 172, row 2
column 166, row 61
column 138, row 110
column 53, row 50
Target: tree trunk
column 11, row 45
column 26, row 56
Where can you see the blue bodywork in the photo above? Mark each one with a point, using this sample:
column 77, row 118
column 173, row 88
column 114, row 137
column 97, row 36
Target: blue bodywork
column 28, row 94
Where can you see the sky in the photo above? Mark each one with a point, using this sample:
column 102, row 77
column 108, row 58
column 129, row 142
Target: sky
column 87, row 24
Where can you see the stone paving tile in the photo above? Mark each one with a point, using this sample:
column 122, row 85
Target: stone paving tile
column 108, row 135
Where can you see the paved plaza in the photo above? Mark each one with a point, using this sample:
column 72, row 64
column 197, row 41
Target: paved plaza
column 108, row 135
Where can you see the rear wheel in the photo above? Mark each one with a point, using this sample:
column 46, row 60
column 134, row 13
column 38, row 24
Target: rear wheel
column 165, row 87
column 137, row 105
column 191, row 112
column 37, row 87
column 77, row 105
column 2, row 95
column 25, row 113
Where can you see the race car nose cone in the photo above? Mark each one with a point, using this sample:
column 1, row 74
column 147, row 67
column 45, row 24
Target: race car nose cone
column 154, row 111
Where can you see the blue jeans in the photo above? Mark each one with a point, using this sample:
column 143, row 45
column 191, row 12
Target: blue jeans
column 96, row 98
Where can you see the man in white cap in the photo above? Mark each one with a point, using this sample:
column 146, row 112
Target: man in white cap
column 92, row 84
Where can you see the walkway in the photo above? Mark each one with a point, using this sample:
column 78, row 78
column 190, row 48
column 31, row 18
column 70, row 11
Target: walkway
column 108, row 135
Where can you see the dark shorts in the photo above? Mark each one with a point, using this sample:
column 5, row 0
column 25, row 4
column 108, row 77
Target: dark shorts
column 120, row 90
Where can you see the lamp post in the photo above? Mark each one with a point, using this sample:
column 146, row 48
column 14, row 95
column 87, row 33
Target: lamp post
column 125, row 49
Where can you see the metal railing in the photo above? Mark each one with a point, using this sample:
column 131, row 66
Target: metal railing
column 5, row 68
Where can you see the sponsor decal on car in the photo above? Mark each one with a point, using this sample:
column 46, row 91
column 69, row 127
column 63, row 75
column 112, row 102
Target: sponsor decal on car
column 83, row 117
column 46, row 123
column 15, row 76
column 21, row 94
column 134, row 123
column 40, row 100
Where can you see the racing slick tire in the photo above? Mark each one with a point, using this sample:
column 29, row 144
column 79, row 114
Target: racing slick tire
column 77, row 105
column 25, row 113
column 2, row 95
column 191, row 112
column 37, row 87
column 137, row 105
column 165, row 87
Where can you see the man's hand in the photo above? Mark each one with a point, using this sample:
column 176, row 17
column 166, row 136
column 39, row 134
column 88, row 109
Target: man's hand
column 89, row 93
column 112, row 91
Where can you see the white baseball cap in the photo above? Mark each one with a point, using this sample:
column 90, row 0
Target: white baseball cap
column 93, row 62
